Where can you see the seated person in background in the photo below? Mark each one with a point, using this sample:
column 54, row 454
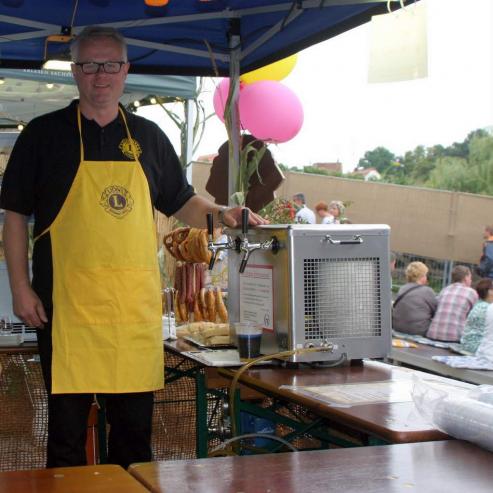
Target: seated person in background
column 322, row 209
column 485, row 348
column 416, row 303
column 303, row 214
column 476, row 320
column 454, row 304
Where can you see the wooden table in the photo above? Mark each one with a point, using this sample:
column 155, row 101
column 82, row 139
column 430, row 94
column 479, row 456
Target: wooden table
column 431, row 467
column 90, row 479
column 420, row 358
column 395, row 422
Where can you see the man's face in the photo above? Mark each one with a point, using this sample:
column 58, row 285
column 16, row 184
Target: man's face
column 468, row 280
column 100, row 90
column 486, row 234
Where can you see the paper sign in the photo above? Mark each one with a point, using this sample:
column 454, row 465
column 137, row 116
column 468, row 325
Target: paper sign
column 399, row 45
column 256, row 296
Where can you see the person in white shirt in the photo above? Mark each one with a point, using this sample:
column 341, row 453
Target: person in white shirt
column 304, row 214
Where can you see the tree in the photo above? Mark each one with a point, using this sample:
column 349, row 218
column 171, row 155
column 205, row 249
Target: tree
column 380, row 158
column 481, row 159
column 454, row 174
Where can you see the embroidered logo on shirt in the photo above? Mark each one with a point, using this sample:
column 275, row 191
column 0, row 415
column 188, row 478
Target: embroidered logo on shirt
column 117, row 201
column 127, row 150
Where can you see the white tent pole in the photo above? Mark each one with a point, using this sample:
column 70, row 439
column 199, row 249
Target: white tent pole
column 189, row 120
column 234, row 78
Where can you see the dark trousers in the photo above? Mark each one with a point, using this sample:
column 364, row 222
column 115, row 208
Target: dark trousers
column 129, row 416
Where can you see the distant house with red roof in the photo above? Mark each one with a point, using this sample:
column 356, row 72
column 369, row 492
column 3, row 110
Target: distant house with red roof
column 330, row 167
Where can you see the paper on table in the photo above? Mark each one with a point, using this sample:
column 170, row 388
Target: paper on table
column 357, row 394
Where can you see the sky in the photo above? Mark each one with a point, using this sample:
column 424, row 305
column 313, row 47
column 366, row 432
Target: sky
column 345, row 116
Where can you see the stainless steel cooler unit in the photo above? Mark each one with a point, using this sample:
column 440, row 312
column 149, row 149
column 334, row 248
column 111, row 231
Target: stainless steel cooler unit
column 323, row 286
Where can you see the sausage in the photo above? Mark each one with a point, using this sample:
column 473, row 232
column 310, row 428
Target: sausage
column 183, row 287
column 190, row 284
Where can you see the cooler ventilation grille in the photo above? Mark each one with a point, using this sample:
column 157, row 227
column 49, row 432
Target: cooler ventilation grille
column 342, row 298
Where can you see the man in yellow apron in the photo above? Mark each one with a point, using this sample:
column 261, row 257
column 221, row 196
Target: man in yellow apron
column 91, row 175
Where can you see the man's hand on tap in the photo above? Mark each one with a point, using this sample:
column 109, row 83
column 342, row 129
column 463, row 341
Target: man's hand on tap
column 231, row 216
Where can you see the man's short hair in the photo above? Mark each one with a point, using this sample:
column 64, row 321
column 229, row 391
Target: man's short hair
column 460, row 272
column 91, row 32
column 299, row 196
column 489, row 229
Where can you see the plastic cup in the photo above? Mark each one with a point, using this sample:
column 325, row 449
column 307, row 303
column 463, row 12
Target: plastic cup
column 248, row 339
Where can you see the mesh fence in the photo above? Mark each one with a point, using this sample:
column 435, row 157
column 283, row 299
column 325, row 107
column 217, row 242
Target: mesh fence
column 439, row 274
column 24, row 414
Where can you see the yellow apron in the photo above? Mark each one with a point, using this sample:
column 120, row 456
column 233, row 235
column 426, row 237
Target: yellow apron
column 106, row 287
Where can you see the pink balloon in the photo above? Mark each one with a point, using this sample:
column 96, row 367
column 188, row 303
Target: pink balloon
column 220, row 98
column 270, row 111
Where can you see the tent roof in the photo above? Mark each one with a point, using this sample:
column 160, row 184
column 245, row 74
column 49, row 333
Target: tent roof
column 25, row 94
column 187, row 37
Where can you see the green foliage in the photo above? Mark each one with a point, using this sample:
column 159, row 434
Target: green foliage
column 250, row 157
column 315, row 171
column 380, row 159
column 463, row 166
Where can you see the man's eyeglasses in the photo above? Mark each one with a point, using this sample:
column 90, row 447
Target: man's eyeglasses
column 93, row 67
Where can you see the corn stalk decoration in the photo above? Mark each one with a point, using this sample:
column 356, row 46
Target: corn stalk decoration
column 250, row 156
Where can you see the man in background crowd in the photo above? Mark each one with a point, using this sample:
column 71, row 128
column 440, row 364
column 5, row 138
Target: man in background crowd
column 454, row 304
column 304, row 214
column 486, row 260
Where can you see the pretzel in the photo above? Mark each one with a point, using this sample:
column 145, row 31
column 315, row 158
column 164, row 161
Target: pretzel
column 220, row 306
column 179, row 234
column 176, row 304
column 197, row 314
column 203, row 304
column 205, row 253
column 210, row 299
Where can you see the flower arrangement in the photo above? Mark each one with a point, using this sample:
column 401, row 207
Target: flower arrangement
column 279, row 211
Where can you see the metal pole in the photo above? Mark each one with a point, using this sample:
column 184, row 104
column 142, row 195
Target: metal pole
column 189, row 120
column 234, row 144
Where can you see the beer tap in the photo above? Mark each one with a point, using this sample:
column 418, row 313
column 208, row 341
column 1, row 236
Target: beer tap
column 247, row 248
column 215, row 248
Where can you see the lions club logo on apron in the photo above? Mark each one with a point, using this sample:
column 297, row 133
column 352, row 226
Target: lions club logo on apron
column 117, row 201
column 128, row 148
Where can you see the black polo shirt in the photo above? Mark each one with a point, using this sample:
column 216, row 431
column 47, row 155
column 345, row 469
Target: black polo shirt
column 45, row 160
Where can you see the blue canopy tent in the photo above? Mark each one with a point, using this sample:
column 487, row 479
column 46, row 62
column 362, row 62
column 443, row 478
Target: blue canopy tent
column 186, row 37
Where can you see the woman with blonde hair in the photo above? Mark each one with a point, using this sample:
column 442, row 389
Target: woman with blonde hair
column 416, row 302
column 336, row 210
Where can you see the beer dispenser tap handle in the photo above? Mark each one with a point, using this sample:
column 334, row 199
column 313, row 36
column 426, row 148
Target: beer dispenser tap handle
column 210, row 225
column 244, row 221
column 210, row 243
column 244, row 240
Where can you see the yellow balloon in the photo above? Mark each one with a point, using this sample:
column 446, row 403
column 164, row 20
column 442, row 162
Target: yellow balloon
column 273, row 71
